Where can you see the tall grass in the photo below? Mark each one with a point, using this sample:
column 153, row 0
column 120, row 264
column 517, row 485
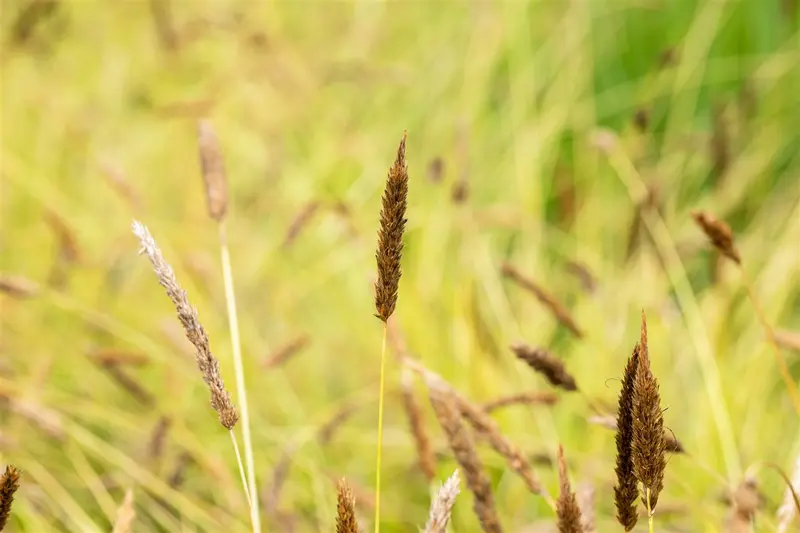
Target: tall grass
column 99, row 110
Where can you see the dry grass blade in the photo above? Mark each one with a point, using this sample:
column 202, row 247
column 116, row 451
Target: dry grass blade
column 286, row 352
column 18, row 287
column 790, row 506
column 626, row 491
column 442, row 505
column 788, row 339
column 525, row 398
column 546, row 364
column 175, row 479
column 47, row 420
column 206, row 362
column 107, row 356
column 346, row 510
column 390, row 235
column 158, row 439
column 329, row 428
column 720, row 146
column 126, row 514
column 449, row 417
column 649, row 447
column 555, row 307
column 425, row 457
column 720, row 235
column 129, row 384
column 300, row 221
column 8, row 486
column 586, row 502
column 279, row 476
column 213, row 169
column 567, row 510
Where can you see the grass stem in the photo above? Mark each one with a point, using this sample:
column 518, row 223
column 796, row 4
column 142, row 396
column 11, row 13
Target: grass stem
column 241, row 469
column 380, row 435
column 241, row 391
column 650, row 512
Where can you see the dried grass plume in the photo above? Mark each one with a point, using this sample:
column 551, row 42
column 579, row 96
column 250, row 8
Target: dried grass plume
column 546, row 364
column 720, row 235
column 442, row 505
column 626, row 491
column 346, row 510
column 567, row 510
column 206, row 362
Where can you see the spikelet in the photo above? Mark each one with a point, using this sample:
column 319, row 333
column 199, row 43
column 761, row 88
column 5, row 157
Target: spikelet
column 720, row 235
column 626, row 491
column 556, row 308
column 671, row 442
column 213, row 169
column 286, row 352
column 206, row 362
column 649, row 447
column 346, row 510
column 567, row 510
column 390, row 235
column 9, row 484
column 447, row 413
column 546, row 364
column 126, row 514
column 442, row 505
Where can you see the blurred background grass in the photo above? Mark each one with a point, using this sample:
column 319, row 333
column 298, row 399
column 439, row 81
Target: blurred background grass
column 502, row 102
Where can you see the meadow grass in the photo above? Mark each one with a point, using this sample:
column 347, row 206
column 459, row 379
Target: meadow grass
column 572, row 140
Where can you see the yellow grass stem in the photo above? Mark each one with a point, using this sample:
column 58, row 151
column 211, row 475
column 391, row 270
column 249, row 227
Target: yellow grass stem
column 762, row 318
column 380, row 436
column 650, row 512
column 241, row 391
column 241, row 469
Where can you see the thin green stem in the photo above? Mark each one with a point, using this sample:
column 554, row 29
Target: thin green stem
column 380, row 437
column 241, row 391
column 241, row 469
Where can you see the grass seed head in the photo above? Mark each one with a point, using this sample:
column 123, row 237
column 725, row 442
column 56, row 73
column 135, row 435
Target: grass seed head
column 390, row 235
column 720, row 235
column 626, row 491
column 546, row 364
column 346, row 510
column 9, row 484
column 213, row 169
column 567, row 510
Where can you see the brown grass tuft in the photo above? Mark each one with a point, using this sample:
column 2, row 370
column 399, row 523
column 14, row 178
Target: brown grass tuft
column 442, row 505
column 463, row 448
column 567, row 510
column 285, row 352
column 18, row 287
column 525, row 398
column 626, row 491
column 9, row 484
column 556, row 308
column 649, row 447
column 206, row 362
column 425, row 457
column 546, row 364
column 126, row 514
column 346, row 510
column 390, row 235
column 213, row 169
column 719, row 233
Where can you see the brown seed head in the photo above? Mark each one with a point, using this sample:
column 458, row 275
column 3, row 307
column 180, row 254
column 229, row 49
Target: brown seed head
column 525, row 398
column 546, row 364
column 346, row 510
column 390, row 235
column 719, row 233
column 447, row 413
column 556, row 308
column 213, row 169
column 425, row 457
column 649, row 446
column 206, row 362
column 8, row 486
column 626, row 491
column 569, row 514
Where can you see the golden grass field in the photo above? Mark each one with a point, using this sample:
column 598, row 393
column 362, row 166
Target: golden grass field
column 560, row 137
